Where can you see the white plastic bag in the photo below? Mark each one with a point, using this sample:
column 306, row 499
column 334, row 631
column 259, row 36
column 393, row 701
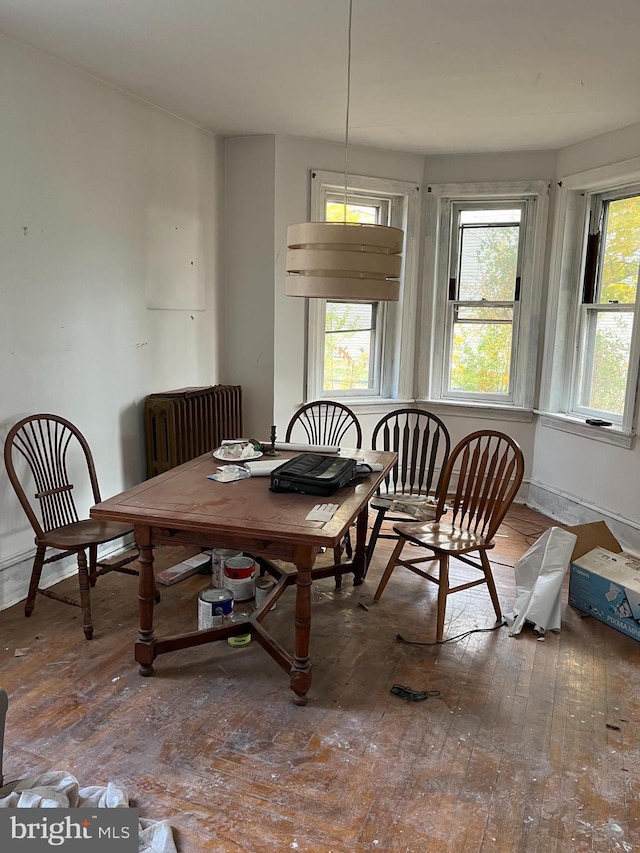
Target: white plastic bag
column 539, row 576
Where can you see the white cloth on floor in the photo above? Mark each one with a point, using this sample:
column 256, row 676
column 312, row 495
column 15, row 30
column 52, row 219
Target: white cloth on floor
column 539, row 576
column 59, row 789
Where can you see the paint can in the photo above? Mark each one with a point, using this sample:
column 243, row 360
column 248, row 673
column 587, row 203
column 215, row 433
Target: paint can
column 239, row 639
column 240, row 577
column 263, row 588
column 218, row 556
column 214, row 606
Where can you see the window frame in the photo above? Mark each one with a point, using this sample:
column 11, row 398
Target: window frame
column 576, row 194
column 395, row 350
column 443, row 200
column 586, row 310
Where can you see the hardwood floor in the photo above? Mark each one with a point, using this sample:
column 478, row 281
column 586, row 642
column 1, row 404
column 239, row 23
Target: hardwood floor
column 532, row 745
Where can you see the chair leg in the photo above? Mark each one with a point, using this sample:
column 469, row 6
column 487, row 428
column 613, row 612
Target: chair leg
column 443, row 592
column 93, row 565
column 337, row 558
column 390, row 567
column 34, row 583
column 348, row 547
column 377, row 524
column 486, row 567
column 85, row 595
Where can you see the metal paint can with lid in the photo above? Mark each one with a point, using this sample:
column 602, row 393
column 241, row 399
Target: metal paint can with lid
column 214, row 606
column 240, row 577
column 263, row 588
column 239, row 639
column 218, row 556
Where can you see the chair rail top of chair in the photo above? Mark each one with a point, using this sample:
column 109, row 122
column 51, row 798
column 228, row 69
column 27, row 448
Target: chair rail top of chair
column 326, row 422
column 491, row 469
column 422, row 446
column 43, row 441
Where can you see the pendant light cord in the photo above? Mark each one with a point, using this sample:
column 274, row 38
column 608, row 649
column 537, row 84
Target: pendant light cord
column 346, row 129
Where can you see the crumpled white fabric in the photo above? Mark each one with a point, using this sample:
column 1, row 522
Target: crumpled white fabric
column 539, row 576
column 59, row 789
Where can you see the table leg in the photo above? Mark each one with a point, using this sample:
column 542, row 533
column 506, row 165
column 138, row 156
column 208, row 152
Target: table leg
column 360, row 553
column 145, row 646
column 300, row 676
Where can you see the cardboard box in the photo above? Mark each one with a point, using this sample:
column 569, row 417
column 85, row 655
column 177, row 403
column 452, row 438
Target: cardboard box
column 595, row 534
column 606, row 585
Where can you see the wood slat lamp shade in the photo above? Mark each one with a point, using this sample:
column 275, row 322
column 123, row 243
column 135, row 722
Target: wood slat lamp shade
column 344, row 260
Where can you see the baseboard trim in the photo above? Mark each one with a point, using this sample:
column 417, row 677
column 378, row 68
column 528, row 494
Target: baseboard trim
column 569, row 509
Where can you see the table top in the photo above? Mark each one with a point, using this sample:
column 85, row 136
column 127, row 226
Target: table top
column 185, row 499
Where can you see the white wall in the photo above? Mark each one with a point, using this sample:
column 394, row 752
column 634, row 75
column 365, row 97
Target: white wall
column 579, row 479
column 249, row 276
column 107, row 205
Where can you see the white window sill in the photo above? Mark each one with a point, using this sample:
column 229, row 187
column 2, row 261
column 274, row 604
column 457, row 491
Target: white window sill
column 609, row 435
column 374, row 405
column 378, row 405
column 478, row 410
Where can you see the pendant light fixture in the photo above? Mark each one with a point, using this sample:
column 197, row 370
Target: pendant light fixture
column 350, row 261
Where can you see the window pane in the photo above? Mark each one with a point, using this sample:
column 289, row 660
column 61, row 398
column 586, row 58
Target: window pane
column 367, row 214
column 604, row 383
column 621, row 251
column 349, row 353
column 488, row 261
column 483, row 314
column 481, row 357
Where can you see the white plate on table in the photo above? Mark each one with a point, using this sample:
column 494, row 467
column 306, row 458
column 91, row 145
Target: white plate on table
column 236, row 460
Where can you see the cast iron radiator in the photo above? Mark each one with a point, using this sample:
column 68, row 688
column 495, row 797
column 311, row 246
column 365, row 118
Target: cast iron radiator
column 180, row 425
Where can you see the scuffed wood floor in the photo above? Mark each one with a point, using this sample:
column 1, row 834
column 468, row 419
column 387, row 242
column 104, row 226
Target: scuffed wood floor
column 531, row 746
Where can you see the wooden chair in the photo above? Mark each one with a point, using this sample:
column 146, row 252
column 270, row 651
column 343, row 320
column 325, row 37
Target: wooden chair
column 488, row 467
column 325, row 422
column 46, row 458
column 332, row 424
column 422, row 443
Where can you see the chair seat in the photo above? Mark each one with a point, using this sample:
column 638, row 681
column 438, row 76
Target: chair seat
column 83, row 533
column 445, row 538
column 385, row 500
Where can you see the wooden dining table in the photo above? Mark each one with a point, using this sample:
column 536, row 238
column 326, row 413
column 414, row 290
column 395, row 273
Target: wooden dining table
column 184, row 506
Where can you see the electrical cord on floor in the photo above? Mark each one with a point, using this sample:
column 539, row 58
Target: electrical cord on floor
column 401, row 639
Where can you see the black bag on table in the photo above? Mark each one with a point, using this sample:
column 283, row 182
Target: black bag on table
column 313, row 474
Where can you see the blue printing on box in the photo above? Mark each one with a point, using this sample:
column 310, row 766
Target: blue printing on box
column 605, row 599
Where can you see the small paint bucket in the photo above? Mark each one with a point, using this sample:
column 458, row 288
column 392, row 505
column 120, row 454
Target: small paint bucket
column 239, row 568
column 239, row 639
column 214, row 606
column 218, row 557
column 243, row 588
column 263, row 588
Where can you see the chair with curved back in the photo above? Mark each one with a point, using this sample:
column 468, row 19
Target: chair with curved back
column 331, row 424
column 47, row 458
column 488, row 468
column 327, row 423
column 422, row 443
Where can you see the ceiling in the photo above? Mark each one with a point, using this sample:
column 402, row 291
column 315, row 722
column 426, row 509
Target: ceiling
column 428, row 76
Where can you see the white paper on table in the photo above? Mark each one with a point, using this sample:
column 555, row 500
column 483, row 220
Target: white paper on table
column 539, row 576
column 322, row 512
column 305, row 448
column 262, row 467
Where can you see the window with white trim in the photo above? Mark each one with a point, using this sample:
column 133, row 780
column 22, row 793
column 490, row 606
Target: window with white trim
column 487, row 274
column 356, row 349
column 592, row 352
column 603, row 376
